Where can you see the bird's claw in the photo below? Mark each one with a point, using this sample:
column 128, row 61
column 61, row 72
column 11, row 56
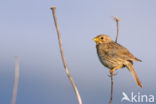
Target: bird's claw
column 112, row 74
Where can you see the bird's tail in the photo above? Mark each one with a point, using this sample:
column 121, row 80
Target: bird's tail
column 131, row 69
column 136, row 59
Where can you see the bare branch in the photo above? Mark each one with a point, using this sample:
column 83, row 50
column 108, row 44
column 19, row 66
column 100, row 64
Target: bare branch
column 16, row 81
column 112, row 81
column 63, row 58
column 112, row 85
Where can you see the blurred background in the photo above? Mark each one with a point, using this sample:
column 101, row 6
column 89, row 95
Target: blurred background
column 27, row 30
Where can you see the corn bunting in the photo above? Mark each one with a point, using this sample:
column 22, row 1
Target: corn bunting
column 114, row 56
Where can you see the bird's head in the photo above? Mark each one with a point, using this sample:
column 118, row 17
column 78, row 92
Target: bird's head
column 102, row 39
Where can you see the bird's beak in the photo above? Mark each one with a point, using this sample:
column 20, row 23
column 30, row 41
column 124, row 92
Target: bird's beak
column 96, row 39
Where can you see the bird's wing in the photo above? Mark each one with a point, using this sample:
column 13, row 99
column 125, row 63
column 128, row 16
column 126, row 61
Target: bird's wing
column 115, row 50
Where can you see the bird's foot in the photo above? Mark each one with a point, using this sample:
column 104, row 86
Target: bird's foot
column 112, row 73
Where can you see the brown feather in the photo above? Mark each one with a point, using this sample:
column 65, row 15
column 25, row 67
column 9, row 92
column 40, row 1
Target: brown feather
column 131, row 69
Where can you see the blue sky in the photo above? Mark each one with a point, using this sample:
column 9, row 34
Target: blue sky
column 27, row 30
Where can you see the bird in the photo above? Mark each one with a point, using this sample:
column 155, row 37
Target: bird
column 114, row 56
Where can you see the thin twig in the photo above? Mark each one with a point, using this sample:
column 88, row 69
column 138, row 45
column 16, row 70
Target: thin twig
column 117, row 25
column 16, row 81
column 112, row 84
column 112, row 81
column 63, row 58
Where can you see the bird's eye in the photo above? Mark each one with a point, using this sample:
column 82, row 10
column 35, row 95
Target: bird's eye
column 101, row 37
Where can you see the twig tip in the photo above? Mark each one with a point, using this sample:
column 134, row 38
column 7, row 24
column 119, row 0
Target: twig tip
column 116, row 18
column 54, row 7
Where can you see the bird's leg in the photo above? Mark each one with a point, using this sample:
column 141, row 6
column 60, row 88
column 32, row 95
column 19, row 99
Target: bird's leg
column 112, row 74
column 115, row 68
